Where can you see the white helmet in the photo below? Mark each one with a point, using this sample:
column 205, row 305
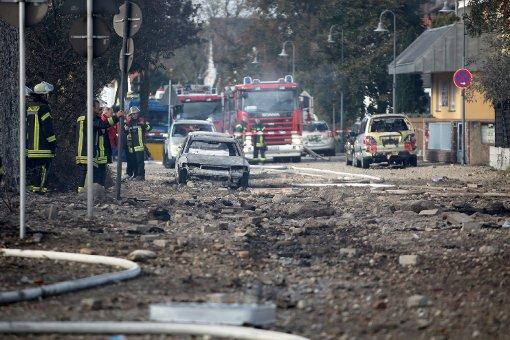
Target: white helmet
column 134, row 110
column 43, row 88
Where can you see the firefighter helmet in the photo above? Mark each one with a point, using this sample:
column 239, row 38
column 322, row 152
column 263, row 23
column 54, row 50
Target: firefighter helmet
column 43, row 88
column 134, row 110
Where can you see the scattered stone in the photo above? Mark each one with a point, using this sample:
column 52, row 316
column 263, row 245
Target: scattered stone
column 149, row 237
column 297, row 231
column 431, row 212
column 37, row 237
column 256, row 221
column 153, row 222
column 99, row 193
column 87, row 251
column 381, row 305
column 422, row 323
column 301, row 304
column 350, row 252
column 309, row 210
column 91, row 304
column 474, row 185
column 160, row 214
column 420, row 205
column 52, row 213
column 244, row 254
column 208, row 228
column 457, row 218
column 142, row 255
column 488, row 250
column 160, row 243
column 506, row 225
column 471, row 226
column 408, row 260
column 417, row 301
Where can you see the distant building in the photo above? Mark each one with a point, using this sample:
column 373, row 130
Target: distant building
column 436, row 54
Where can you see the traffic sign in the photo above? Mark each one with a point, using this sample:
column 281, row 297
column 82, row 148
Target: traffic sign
column 134, row 18
column 102, row 7
column 35, row 11
column 462, row 78
column 78, row 36
column 130, row 51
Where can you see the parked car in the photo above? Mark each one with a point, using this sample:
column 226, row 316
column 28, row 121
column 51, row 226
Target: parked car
column 319, row 138
column 214, row 156
column 386, row 138
column 178, row 133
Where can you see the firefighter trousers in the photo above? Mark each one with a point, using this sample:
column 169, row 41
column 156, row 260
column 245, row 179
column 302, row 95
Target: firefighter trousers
column 131, row 163
column 37, row 174
column 262, row 151
column 139, row 164
column 99, row 175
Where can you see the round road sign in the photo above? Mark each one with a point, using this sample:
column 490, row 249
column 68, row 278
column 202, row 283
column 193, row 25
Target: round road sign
column 34, row 12
column 101, row 38
column 134, row 18
column 462, row 78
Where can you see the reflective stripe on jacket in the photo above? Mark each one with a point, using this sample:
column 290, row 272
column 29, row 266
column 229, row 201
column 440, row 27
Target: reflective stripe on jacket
column 41, row 140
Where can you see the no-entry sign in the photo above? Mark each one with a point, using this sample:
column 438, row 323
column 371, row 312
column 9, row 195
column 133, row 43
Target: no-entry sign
column 462, row 78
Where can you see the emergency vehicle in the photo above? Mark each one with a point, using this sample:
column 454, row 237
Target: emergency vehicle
column 200, row 102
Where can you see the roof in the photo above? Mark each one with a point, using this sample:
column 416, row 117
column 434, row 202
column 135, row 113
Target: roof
column 438, row 50
column 193, row 121
column 212, row 136
column 388, row 115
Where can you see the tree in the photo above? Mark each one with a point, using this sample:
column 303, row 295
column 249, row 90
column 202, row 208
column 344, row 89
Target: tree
column 167, row 26
column 9, row 103
column 492, row 17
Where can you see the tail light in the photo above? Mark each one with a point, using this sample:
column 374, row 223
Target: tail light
column 370, row 143
column 410, row 142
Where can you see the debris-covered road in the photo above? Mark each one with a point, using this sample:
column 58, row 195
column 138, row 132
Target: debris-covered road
column 427, row 258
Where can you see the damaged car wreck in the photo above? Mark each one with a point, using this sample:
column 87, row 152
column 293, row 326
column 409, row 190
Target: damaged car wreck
column 215, row 156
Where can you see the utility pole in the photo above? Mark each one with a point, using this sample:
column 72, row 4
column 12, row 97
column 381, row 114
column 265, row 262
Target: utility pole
column 22, row 123
column 90, row 110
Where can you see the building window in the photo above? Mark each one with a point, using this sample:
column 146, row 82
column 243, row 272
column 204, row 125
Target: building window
column 440, row 136
column 488, row 134
column 453, row 96
column 444, row 93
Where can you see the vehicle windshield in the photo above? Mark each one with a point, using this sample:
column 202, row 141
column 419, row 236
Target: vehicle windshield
column 389, row 125
column 158, row 120
column 316, row 127
column 277, row 103
column 182, row 130
column 213, row 148
column 201, row 110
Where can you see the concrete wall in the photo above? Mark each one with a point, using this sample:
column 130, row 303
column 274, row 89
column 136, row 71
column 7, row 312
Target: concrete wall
column 478, row 153
column 499, row 158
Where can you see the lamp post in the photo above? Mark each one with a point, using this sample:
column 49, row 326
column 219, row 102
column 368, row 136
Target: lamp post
column 331, row 41
column 447, row 9
column 381, row 28
column 283, row 53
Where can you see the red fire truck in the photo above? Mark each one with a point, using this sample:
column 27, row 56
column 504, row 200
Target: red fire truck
column 200, row 102
column 276, row 105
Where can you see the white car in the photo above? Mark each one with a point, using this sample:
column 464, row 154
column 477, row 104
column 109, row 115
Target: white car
column 178, row 133
column 319, row 138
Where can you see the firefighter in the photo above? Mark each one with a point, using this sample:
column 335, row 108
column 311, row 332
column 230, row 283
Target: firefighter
column 259, row 143
column 100, row 147
column 130, row 153
column 240, row 131
column 137, row 128
column 41, row 140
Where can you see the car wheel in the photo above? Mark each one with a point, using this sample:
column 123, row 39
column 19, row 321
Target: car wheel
column 347, row 160
column 413, row 161
column 356, row 162
column 244, row 181
column 365, row 162
column 182, row 176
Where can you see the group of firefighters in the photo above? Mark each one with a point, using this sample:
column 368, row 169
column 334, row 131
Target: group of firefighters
column 41, row 142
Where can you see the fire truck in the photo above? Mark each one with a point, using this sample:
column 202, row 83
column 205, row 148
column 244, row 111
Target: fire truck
column 200, row 102
column 276, row 104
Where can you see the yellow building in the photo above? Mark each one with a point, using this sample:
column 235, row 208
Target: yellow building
column 436, row 54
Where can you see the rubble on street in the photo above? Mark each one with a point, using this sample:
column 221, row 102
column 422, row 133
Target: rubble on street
column 423, row 259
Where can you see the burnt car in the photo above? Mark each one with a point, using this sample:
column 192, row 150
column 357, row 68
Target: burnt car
column 212, row 155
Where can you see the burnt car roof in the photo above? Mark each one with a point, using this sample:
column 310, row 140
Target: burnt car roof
column 211, row 136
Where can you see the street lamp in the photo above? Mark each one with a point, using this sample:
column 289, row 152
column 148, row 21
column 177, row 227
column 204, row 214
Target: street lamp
column 381, row 28
column 284, row 54
column 447, row 9
column 256, row 56
column 331, row 40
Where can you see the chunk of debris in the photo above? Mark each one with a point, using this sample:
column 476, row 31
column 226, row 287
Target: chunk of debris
column 408, row 260
column 160, row 214
column 214, row 313
column 430, row 212
column 457, row 218
column 91, row 304
column 142, row 255
column 416, row 301
column 349, row 252
column 488, row 250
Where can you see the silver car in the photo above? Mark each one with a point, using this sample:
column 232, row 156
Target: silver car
column 213, row 156
column 319, row 138
column 178, row 133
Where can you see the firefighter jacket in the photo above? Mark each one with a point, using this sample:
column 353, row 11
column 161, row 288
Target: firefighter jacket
column 100, row 139
column 258, row 135
column 41, row 140
column 241, row 127
column 136, row 131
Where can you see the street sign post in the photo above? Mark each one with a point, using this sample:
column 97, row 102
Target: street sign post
column 22, row 13
column 462, row 78
column 126, row 24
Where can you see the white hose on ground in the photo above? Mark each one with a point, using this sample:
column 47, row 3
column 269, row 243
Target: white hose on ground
column 140, row 328
column 132, row 270
column 340, row 185
column 374, row 178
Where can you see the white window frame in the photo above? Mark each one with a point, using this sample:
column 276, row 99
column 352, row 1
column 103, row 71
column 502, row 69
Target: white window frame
column 452, row 96
column 440, row 136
